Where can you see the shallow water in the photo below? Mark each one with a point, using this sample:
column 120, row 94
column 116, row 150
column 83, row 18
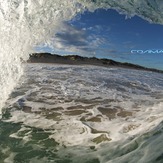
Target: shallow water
column 61, row 113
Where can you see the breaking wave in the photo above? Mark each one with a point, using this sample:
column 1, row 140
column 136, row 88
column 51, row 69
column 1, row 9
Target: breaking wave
column 27, row 23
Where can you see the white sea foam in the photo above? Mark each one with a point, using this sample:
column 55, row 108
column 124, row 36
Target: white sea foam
column 112, row 114
column 135, row 99
column 26, row 23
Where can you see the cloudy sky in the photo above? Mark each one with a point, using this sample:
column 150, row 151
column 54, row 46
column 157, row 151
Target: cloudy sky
column 108, row 34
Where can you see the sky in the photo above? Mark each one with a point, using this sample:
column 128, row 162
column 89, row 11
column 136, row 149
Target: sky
column 108, row 34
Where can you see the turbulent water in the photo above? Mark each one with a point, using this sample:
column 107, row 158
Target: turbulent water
column 74, row 114
column 61, row 113
column 27, row 23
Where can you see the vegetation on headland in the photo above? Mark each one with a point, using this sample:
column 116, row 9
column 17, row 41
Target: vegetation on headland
column 79, row 60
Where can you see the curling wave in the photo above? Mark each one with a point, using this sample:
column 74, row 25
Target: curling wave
column 26, row 23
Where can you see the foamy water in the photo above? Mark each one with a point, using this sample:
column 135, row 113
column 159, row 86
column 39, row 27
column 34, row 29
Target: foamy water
column 25, row 24
column 107, row 114
column 74, row 114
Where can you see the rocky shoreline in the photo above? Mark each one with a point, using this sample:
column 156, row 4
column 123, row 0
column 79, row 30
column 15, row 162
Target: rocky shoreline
column 79, row 60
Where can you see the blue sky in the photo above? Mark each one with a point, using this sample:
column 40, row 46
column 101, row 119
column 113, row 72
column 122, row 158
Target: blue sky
column 108, row 34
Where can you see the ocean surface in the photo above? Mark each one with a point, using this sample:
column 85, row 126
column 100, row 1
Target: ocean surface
column 83, row 114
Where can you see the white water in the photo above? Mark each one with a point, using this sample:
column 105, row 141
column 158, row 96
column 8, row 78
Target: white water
column 23, row 24
column 26, row 23
column 64, row 101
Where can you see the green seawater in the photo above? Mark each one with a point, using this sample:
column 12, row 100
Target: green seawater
column 32, row 145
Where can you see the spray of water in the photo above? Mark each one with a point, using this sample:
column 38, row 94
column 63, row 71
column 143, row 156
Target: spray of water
column 26, row 23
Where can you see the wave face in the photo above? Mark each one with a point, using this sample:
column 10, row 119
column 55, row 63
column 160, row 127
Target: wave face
column 26, row 23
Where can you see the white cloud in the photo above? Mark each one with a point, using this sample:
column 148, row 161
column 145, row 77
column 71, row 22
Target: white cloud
column 80, row 41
